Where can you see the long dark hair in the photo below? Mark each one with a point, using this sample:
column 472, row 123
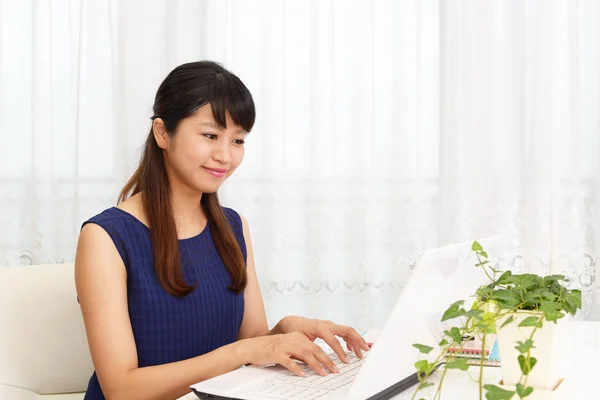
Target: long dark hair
column 186, row 89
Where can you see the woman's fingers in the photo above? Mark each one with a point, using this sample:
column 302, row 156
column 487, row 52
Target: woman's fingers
column 310, row 359
column 292, row 366
column 354, row 348
column 298, row 346
column 357, row 350
column 353, row 338
column 325, row 360
column 311, row 354
column 329, row 338
column 364, row 345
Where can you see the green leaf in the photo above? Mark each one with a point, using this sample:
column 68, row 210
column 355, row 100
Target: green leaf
column 481, row 264
column 422, row 365
column 443, row 342
column 488, row 316
column 526, row 367
column 524, row 347
column 548, row 280
column 473, row 313
column 485, row 327
column 572, row 301
column 458, row 303
column 488, row 319
column 454, row 333
column 496, row 393
column 507, row 321
column 485, row 293
column 423, row 348
column 557, row 288
column 476, row 246
column 531, row 321
column 454, row 311
column 523, row 281
column 569, row 304
column 483, row 254
column 552, row 312
column 506, row 297
column 535, row 302
column 486, row 322
column 523, row 391
column 503, row 279
column 505, row 306
column 574, row 297
column 539, row 295
column 459, row 363
column 529, row 281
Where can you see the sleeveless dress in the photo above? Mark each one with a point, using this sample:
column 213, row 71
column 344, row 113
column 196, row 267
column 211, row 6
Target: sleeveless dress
column 167, row 328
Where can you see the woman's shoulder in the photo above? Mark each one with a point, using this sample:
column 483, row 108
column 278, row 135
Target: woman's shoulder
column 125, row 230
column 122, row 223
column 105, row 216
column 235, row 218
column 126, row 213
column 115, row 217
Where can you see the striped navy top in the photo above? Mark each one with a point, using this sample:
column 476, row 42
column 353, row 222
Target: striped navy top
column 167, row 328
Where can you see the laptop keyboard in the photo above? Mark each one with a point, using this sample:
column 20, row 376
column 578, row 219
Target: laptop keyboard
column 288, row 386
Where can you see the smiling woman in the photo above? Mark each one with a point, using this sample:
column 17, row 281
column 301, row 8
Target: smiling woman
column 166, row 280
column 201, row 113
column 205, row 139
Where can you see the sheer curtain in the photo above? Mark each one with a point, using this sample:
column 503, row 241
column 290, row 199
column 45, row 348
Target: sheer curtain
column 520, row 131
column 384, row 128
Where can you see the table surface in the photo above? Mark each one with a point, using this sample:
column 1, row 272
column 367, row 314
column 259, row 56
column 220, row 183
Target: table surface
column 578, row 351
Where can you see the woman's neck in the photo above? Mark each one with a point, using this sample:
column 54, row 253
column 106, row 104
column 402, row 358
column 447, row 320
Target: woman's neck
column 187, row 213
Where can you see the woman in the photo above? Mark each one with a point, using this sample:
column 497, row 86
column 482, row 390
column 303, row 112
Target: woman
column 166, row 280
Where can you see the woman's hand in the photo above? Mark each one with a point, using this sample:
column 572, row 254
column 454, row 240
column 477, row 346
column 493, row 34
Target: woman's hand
column 326, row 330
column 282, row 349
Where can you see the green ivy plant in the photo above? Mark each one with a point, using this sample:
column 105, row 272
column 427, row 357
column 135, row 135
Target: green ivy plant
column 495, row 304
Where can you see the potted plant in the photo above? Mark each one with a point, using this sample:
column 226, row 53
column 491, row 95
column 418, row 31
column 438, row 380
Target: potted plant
column 521, row 311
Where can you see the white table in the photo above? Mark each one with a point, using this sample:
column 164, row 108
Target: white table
column 579, row 353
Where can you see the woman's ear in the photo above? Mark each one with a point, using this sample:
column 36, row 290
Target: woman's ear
column 160, row 133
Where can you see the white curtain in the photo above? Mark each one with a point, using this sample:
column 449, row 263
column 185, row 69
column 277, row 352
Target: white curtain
column 384, row 128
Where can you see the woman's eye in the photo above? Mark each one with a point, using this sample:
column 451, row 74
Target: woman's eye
column 210, row 136
column 239, row 141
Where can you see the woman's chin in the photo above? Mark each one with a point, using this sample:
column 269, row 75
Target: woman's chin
column 209, row 188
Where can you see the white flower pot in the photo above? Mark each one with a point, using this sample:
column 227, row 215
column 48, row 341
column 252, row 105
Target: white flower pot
column 544, row 374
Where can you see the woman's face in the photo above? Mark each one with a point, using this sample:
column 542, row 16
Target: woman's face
column 201, row 154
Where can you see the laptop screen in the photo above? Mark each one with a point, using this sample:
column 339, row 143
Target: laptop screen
column 442, row 276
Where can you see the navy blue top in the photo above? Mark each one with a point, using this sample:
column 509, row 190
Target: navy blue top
column 168, row 328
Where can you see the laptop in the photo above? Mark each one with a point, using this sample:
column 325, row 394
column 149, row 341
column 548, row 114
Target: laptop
column 439, row 279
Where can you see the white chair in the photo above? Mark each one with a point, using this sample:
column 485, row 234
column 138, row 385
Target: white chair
column 44, row 353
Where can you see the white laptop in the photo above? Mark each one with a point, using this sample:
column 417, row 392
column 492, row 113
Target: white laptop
column 388, row 368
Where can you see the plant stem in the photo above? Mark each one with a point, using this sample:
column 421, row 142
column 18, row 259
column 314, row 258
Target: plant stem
column 436, row 362
column 438, row 392
column 481, row 366
column 421, row 380
column 484, row 268
column 529, row 358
